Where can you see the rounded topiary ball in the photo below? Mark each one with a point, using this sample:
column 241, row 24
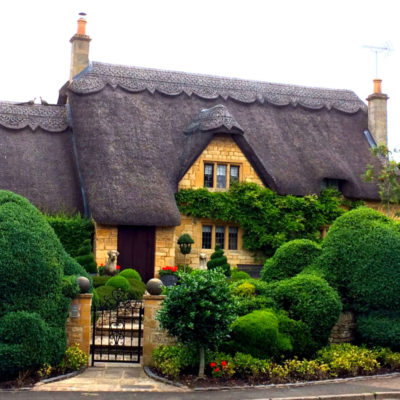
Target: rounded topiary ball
column 290, row 259
column 130, row 273
column 154, row 286
column 118, row 282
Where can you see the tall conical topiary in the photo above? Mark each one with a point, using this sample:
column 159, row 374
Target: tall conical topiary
column 86, row 258
column 218, row 260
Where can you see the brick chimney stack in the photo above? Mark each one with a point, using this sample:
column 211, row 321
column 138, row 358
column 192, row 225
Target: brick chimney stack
column 80, row 48
column 377, row 114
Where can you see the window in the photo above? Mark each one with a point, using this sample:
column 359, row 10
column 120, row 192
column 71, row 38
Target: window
column 206, row 237
column 233, row 238
column 220, row 236
column 208, row 175
column 329, row 183
column 234, row 174
column 225, row 236
column 216, row 175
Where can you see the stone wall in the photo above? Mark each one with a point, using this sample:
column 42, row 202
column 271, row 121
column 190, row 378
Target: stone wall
column 153, row 335
column 221, row 149
column 193, row 226
column 78, row 324
column 165, row 248
column 343, row 331
column 105, row 239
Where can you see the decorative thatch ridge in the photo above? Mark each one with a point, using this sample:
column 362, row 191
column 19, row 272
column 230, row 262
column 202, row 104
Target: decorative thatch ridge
column 171, row 83
column 49, row 118
column 217, row 118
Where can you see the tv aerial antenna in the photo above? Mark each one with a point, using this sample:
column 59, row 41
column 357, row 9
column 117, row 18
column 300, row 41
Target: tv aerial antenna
column 386, row 49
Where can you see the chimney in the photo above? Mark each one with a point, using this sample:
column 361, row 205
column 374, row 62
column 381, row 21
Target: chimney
column 80, row 48
column 377, row 114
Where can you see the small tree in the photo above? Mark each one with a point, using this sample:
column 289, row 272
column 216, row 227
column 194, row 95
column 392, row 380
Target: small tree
column 218, row 260
column 387, row 177
column 198, row 311
column 185, row 242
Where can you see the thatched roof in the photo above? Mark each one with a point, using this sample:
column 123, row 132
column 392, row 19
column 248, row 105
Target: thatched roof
column 134, row 130
column 36, row 156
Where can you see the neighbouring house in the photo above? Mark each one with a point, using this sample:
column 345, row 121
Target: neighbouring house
column 123, row 140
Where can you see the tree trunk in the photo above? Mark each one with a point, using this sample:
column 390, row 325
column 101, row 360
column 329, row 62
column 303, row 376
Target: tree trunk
column 201, row 364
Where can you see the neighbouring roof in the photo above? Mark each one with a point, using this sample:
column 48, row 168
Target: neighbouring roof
column 36, row 156
column 131, row 127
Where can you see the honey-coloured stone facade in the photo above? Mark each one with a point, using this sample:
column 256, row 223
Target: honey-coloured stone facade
column 165, row 248
column 223, row 150
column 105, row 239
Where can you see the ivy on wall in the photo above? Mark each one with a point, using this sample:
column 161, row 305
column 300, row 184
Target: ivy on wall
column 267, row 219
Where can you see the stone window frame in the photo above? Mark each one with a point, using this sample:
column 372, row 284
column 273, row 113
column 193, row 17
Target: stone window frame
column 228, row 173
column 213, row 226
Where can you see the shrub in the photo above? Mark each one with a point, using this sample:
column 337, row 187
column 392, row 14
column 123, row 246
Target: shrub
column 346, row 359
column 173, row 360
column 100, row 280
column 130, row 273
column 246, row 289
column 118, row 282
column 379, row 329
column 305, row 370
column 237, row 275
column 72, row 231
column 245, row 305
column 222, row 366
column 106, row 300
column 310, row 299
column 361, row 258
column 136, row 289
column 32, row 263
column 74, row 359
column 387, row 358
column 290, row 259
column 258, row 334
column 85, row 257
column 218, row 260
column 247, row 366
column 198, row 311
column 70, row 287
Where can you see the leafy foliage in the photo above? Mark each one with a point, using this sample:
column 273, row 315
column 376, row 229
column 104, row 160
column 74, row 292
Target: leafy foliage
column 218, row 260
column 199, row 310
column 74, row 359
column 290, row 259
column 85, row 257
column 268, row 219
column 130, row 273
column 245, row 305
column 361, row 258
column 118, row 282
column 71, row 230
column 237, row 275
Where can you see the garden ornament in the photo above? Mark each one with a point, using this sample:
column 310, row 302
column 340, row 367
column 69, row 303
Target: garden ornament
column 203, row 263
column 111, row 265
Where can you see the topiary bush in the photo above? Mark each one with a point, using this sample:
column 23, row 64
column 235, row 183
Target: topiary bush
column 245, row 289
column 379, row 329
column 361, row 258
column 237, row 275
column 258, row 334
column 136, row 289
column 245, row 305
column 105, row 298
column 32, row 264
column 218, row 260
column 118, row 282
column 86, row 258
column 310, row 299
column 130, row 273
column 290, row 259
column 100, row 280
column 70, row 287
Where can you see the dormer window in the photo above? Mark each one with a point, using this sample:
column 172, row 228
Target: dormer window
column 329, row 183
column 220, row 175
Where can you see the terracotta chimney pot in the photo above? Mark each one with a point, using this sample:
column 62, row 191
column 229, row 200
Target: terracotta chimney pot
column 81, row 26
column 377, row 85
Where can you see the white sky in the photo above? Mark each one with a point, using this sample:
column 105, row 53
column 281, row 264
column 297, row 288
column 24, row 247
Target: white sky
column 312, row 43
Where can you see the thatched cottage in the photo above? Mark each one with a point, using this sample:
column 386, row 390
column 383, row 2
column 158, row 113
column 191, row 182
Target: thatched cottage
column 123, row 140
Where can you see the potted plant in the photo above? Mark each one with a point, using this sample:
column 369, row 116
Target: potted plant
column 185, row 242
column 168, row 275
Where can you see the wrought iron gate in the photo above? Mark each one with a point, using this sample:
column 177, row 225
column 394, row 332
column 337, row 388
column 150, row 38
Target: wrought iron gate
column 117, row 329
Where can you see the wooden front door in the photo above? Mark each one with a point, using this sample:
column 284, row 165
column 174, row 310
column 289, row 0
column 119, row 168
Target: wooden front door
column 136, row 246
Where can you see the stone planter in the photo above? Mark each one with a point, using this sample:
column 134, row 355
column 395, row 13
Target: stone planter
column 169, row 280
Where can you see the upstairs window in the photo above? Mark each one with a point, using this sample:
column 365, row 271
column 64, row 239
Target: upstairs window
column 233, row 238
column 208, row 175
column 220, row 176
column 329, row 183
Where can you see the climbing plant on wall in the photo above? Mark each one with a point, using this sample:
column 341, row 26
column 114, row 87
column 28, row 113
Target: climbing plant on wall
column 267, row 219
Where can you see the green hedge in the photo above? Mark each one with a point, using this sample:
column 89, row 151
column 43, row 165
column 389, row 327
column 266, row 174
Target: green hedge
column 361, row 258
column 310, row 299
column 130, row 273
column 118, row 282
column 71, row 230
column 290, row 259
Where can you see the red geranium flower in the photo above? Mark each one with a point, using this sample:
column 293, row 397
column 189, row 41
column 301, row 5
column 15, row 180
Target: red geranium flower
column 212, row 364
column 223, row 363
column 118, row 267
column 216, row 369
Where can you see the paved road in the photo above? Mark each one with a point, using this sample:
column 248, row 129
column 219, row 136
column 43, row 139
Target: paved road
column 370, row 386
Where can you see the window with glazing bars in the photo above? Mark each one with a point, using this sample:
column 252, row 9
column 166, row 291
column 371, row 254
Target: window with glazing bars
column 233, row 174
column 221, row 176
column 208, row 175
column 233, row 238
column 220, row 236
column 206, row 237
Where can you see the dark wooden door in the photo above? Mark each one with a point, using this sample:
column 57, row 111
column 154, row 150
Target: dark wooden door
column 136, row 246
